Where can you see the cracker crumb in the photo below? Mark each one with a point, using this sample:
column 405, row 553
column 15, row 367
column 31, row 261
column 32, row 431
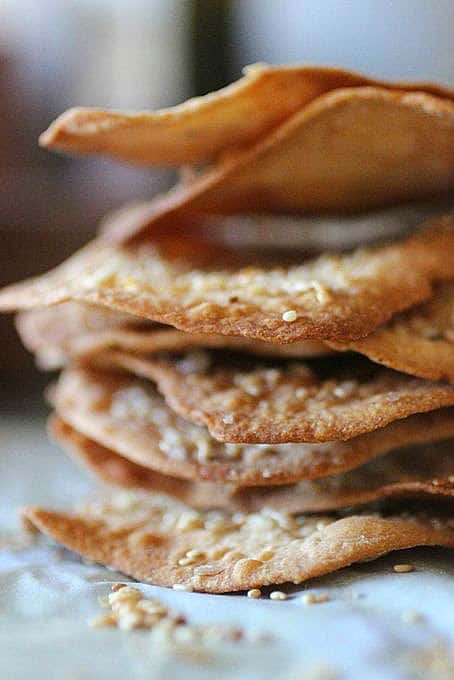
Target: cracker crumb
column 289, row 316
column 117, row 586
column 278, row 595
column 403, row 568
column 254, row 593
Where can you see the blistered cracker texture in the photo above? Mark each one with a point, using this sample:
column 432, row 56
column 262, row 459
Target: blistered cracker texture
column 350, row 150
column 419, row 342
column 201, row 128
column 277, row 403
column 334, row 297
column 55, row 335
column 149, row 537
column 128, row 416
column 424, row 472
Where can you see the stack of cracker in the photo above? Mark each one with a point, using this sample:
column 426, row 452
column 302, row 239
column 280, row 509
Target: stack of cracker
column 273, row 388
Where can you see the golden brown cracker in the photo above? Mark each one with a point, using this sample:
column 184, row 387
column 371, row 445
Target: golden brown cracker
column 421, row 472
column 51, row 332
column 128, row 416
column 419, row 342
column 334, row 297
column 149, row 537
column 244, row 401
column 350, row 150
column 201, row 128
column 57, row 334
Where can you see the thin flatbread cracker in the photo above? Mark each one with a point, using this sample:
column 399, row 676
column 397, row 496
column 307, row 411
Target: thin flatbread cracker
column 55, row 336
column 424, row 472
column 278, row 404
column 51, row 332
column 349, row 151
column 149, row 537
column 419, row 342
column 128, row 416
column 201, row 128
column 334, row 297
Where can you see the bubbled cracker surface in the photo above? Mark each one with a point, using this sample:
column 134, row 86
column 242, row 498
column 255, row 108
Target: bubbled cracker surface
column 335, row 297
column 128, row 416
column 282, row 403
column 149, row 538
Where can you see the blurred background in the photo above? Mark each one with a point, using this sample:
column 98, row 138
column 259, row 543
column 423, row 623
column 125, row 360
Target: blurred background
column 153, row 53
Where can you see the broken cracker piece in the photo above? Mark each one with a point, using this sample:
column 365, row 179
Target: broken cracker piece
column 146, row 537
column 128, row 416
column 335, row 297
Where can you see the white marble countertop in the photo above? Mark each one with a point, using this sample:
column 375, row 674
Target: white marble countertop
column 377, row 625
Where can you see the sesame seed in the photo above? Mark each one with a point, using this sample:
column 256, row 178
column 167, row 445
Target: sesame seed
column 290, row 315
column 102, row 621
column 278, row 595
column 183, row 587
column 254, row 594
column 195, row 554
column 403, row 568
column 311, row 598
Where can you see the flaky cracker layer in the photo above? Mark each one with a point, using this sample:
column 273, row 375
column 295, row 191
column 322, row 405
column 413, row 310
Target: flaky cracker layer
column 348, row 151
column 419, row 342
column 199, row 289
column 244, row 401
column 149, row 537
column 418, row 472
column 128, row 416
column 57, row 334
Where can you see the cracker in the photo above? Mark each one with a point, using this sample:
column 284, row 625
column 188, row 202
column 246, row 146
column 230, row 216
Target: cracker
column 427, row 472
column 56, row 334
column 419, row 342
column 284, row 403
column 334, row 297
column 201, row 128
column 51, row 332
column 128, row 416
column 350, row 150
column 149, row 537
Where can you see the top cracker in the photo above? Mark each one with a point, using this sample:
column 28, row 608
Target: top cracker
column 202, row 128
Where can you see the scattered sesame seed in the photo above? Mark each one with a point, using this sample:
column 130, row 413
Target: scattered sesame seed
column 185, row 587
column 290, row 315
column 254, row 594
column 311, row 598
column 103, row 621
column 278, row 595
column 403, row 568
